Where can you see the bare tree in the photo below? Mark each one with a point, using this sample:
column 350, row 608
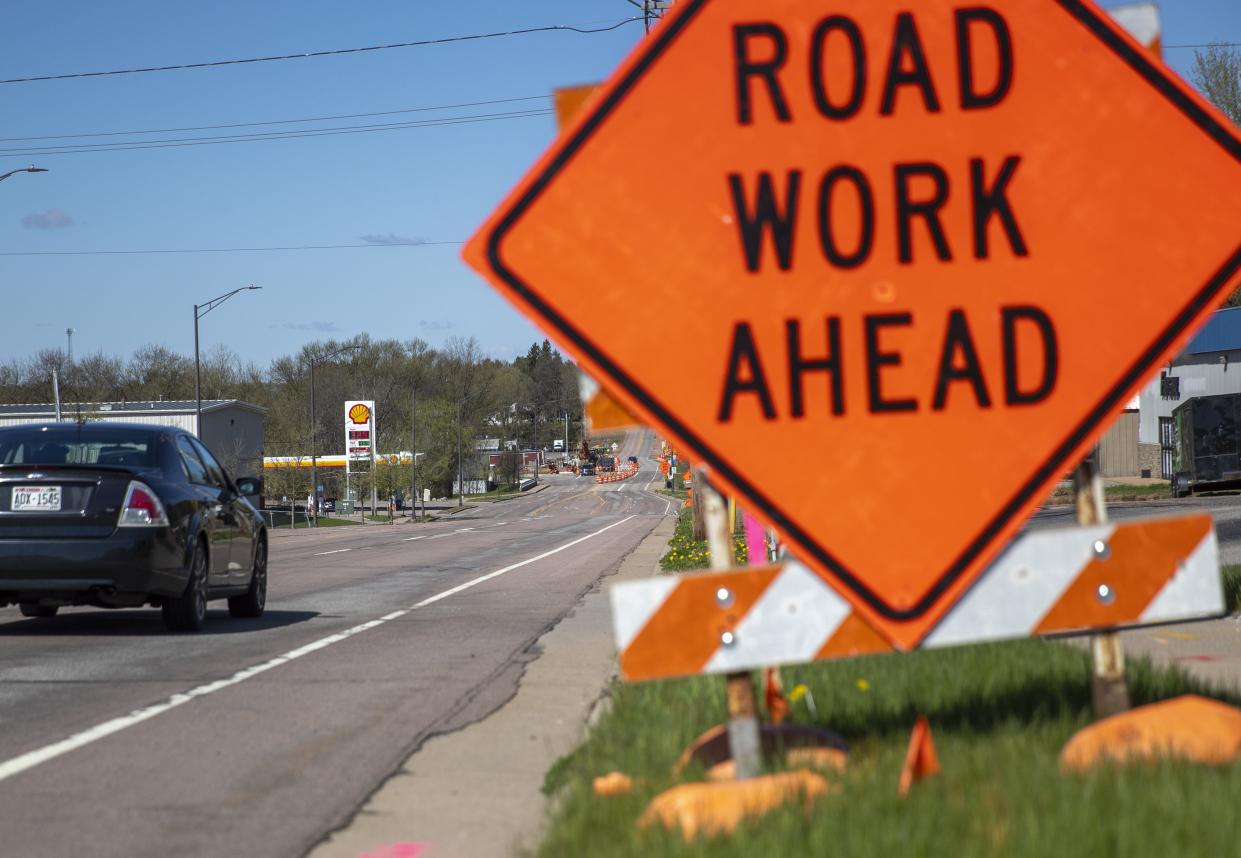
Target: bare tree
column 1217, row 72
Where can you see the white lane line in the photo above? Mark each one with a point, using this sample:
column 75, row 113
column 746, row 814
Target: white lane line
column 31, row 759
column 479, row 580
column 412, row 538
column 337, row 551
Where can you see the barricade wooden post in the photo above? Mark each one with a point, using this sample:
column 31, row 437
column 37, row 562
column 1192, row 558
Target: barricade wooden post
column 1109, row 692
column 743, row 729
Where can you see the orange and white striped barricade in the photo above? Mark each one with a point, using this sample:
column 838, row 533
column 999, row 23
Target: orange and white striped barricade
column 600, row 409
column 1121, row 574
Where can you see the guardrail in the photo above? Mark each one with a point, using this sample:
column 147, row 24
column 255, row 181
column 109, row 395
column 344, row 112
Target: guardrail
column 278, row 518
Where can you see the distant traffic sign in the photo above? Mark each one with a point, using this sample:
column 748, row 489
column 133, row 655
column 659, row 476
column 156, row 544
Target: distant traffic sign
column 917, row 257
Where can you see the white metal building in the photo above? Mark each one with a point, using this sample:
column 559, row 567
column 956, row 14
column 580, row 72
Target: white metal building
column 233, row 430
column 1210, row 364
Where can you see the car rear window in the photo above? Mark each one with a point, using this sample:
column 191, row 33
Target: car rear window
column 93, row 445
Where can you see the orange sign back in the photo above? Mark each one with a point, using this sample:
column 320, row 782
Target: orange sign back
column 908, row 262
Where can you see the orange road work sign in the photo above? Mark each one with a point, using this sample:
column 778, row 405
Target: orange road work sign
column 925, row 252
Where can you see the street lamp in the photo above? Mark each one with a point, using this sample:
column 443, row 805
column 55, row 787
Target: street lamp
column 201, row 310
column 30, row 169
column 314, row 460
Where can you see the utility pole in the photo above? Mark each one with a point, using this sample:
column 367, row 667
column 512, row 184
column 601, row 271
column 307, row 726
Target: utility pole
column 314, row 460
column 198, row 381
column 413, row 450
column 460, row 480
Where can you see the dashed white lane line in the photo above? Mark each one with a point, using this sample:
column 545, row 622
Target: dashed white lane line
column 412, row 538
column 31, row 759
column 337, row 551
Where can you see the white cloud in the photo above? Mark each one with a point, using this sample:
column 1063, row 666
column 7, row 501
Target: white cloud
column 50, row 219
column 390, row 238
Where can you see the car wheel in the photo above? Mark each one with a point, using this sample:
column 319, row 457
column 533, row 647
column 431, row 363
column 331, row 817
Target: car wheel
column 40, row 611
column 251, row 604
column 187, row 612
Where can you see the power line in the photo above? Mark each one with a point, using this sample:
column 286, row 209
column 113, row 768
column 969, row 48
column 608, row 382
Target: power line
column 227, row 249
column 174, row 143
column 277, row 121
column 330, row 53
column 1211, row 45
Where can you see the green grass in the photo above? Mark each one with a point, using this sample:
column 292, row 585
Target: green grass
column 324, row 521
column 684, row 552
column 1154, row 491
column 495, row 495
column 1232, row 588
column 999, row 713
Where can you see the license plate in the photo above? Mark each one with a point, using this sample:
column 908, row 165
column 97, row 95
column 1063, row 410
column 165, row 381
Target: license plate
column 36, row 499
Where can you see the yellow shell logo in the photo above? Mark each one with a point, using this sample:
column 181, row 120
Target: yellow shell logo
column 360, row 414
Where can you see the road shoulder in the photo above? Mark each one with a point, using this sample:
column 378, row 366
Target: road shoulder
column 477, row 792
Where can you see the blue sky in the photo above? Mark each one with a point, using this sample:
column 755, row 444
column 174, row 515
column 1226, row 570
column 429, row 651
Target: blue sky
column 432, row 184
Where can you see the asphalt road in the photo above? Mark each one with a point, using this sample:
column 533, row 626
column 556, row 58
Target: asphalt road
column 1225, row 509
column 258, row 737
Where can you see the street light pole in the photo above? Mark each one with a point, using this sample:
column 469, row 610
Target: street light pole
column 201, row 310
column 30, row 169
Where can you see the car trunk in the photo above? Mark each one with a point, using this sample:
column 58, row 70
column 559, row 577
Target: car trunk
column 88, row 498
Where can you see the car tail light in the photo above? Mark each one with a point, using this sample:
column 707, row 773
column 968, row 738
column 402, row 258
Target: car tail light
column 142, row 508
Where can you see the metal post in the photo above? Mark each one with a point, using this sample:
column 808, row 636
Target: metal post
column 1109, row 691
column 198, row 381
column 743, row 730
column 314, row 461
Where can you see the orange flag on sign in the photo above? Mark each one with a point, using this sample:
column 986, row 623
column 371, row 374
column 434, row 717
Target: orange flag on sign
column 773, row 692
column 921, row 761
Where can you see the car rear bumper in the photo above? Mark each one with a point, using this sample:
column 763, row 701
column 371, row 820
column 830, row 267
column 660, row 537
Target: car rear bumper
column 130, row 560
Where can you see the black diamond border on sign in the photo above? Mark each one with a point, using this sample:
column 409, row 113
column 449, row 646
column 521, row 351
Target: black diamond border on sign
column 661, row 40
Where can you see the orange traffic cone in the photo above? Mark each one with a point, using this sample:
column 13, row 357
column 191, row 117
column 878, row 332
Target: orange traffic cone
column 921, row 761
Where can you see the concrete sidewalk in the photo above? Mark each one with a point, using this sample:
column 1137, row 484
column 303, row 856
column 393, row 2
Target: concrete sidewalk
column 1209, row 650
column 477, row 793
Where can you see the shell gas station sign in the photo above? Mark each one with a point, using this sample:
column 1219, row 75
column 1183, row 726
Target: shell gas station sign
column 359, row 431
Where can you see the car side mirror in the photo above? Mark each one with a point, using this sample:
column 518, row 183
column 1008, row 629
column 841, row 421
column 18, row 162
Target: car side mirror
column 249, row 486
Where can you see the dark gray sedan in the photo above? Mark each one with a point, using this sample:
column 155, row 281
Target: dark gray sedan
column 122, row 515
